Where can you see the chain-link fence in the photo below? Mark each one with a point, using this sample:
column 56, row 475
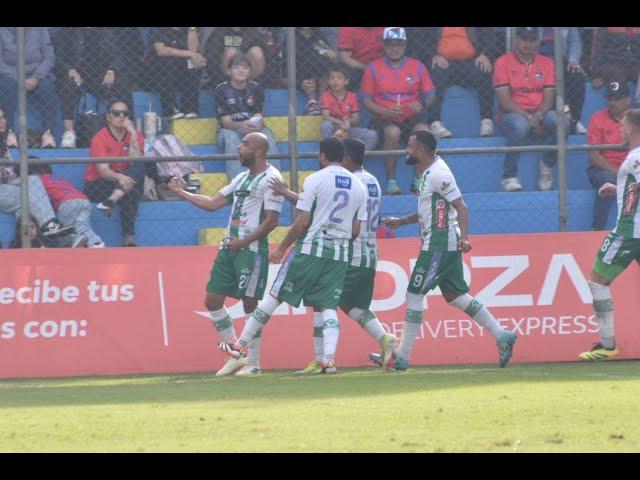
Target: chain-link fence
column 190, row 94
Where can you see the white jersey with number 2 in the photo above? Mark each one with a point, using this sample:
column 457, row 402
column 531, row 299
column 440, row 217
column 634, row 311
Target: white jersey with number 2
column 335, row 198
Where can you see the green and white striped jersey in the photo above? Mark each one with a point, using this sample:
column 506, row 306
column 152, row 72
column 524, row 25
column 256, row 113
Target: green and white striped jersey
column 438, row 219
column 628, row 223
column 249, row 198
column 364, row 251
column 335, row 198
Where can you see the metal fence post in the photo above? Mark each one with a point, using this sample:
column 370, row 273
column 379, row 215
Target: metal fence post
column 561, row 129
column 293, row 127
column 25, row 214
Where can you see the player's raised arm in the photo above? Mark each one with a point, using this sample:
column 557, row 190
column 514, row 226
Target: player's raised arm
column 201, row 201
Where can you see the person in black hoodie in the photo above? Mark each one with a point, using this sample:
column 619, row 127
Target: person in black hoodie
column 616, row 55
column 89, row 59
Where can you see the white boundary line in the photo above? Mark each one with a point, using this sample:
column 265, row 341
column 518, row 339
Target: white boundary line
column 164, row 311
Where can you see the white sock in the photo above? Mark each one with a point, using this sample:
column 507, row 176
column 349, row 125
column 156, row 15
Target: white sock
column 253, row 349
column 258, row 319
column 223, row 324
column 330, row 334
column 368, row 321
column 603, row 306
column 412, row 324
column 476, row 310
column 318, row 338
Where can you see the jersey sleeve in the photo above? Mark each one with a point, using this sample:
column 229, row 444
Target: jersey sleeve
column 500, row 73
column 272, row 200
column 308, row 195
column 227, row 191
column 444, row 183
column 550, row 76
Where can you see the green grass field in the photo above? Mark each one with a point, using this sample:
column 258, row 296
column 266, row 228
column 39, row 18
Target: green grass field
column 524, row 408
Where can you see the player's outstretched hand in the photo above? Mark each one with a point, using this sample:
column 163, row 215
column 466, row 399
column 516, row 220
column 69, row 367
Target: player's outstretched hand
column 278, row 186
column 392, row 222
column 276, row 256
column 464, row 245
column 607, row 190
column 175, row 184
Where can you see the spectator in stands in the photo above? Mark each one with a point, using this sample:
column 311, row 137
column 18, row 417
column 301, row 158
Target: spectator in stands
column 313, row 60
column 616, row 55
column 396, row 90
column 71, row 206
column 525, row 85
column 239, row 103
column 574, row 75
column 117, row 183
column 177, row 68
column 39, row 204
column 39, row 82
column 357, row 48
column 90, row 59
column 604, row 128
column 35, row 238
column 341, row 111
column 331, row 36
column 460, row 56
column 224, row 42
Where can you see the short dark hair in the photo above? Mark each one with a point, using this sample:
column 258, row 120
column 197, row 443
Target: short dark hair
column 332, row 148
column 633, row 116
column 113, row 102
column 339, row 69
column 426, row 138
column 238, row 59
column 354, row 149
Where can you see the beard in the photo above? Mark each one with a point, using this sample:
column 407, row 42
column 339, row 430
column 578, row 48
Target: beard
column 247, row 162
column 411, row 160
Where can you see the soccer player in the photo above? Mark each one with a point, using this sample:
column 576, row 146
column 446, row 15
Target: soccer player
column 331, row 207
column 622, row 245
column 357, row 290
column 242, row 265
column 443, row 219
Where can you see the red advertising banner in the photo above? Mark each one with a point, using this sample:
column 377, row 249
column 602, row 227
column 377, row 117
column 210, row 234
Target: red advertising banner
column 123, row 311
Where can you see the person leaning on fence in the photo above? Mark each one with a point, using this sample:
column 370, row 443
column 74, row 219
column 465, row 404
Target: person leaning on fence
column 574, row 75
column 239, row 103
column 616, row 55
column 525, row 85
column 604, row 128
column 396, row 89
column 89, row 59
column 39, row 82
column 460, row 56
column 39, row 204
column 118, row 183
column 314, row 58
column 71, row 206
column 341, row 111
column 357, row 48
column 177, row 66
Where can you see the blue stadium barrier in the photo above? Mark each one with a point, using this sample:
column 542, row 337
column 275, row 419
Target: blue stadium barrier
column 206, row 104
column 276, row 102
column 461, row 111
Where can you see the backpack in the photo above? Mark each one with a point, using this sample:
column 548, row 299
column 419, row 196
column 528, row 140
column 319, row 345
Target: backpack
column 88, row 123
column 170, row 146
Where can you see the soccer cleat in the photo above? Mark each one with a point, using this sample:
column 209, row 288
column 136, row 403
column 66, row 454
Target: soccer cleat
column 505, row 347
column 249, row 370
column 392, row 187
column 400, row 364
column 313, row 367
column 598, row 352
column 387, row 345
column 546, row 180
column 231, row 365
column 233, row 350
column 511, row 184
column 328, row 367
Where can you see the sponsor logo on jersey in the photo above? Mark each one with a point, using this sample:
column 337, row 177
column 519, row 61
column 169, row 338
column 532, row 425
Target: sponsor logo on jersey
column 441, row 214
column 343, row 182
column 373, row 189
column 243, row 193
column 444, row 186
column 632, row 196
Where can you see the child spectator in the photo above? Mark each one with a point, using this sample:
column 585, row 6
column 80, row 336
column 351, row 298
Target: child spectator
column 341, row 111
column 177, row 68
column 117, row 183
column 35, row 238
column 239, row 103
column 314, row 57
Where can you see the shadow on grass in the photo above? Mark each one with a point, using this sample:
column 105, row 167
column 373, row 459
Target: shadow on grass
column 278, row 385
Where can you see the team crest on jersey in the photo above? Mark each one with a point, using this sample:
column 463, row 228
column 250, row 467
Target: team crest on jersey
column 409, row 78
column 373, row 189
column 539, row 75
column 444, row 186
column 343, row 182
